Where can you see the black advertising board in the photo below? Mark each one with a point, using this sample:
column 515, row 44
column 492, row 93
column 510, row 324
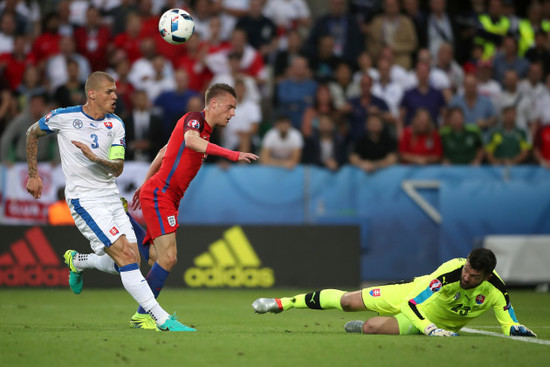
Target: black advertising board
column 208, row 257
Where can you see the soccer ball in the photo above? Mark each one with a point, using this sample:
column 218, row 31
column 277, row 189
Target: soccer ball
column 176, row 26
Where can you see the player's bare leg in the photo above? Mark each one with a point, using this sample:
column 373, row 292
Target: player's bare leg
column 386, row 325
column 319, row 300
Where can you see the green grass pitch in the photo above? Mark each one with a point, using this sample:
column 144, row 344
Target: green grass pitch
column 57, row 328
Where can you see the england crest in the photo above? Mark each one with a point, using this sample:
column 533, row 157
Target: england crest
column 171, row 220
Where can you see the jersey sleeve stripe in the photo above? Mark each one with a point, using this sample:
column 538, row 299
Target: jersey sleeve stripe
column 499, row 284
column 43, row 126
column 90, row 222
column 155, row 199
column 424, row 295
column 174, row 167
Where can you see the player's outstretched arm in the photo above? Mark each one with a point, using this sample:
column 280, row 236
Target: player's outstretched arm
column 113, row 166
column 195, row 142
column 34, row 184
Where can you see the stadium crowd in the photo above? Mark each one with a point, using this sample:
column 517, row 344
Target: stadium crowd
column 368, row 83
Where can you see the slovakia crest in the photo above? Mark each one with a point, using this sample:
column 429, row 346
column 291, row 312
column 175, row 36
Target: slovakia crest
column 480, row 299
column 375, row 292
column 113, row 231
column 457, row 295
column 171, row 220
column 435, row 285
column 108, row 124
column 195, row 124
column 123, row 142
column 77, row 124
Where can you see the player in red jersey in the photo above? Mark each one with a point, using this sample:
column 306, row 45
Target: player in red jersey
column 168, row 177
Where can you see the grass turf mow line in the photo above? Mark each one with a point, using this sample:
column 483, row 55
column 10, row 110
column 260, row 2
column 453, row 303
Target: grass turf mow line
column 518, row 338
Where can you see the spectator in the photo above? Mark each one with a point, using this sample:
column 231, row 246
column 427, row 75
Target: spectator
column 282, row 145
column 149, row 20
column 528, row 28
column 437, row 78
column 92, row 40
column 284, row 57
column 398, row 74
column 342, row 26
column 195, row 104
column 215, row 42
column 261, row 32
column 446, row 64
column 421, row 143
column 325, row 147
column 508, row 145
column 59, row 213
column 7, row 31
column 143, row 71
column 14, row 139
column 507, row 58
column 125, row 89
column 471, row 65
column 32, row 84
column 162, row 80
column 462, row 143
column 477, row 109
column 296, row 92
column 142, row 130
column 66, row 28
column 323, row 105
column 384, row 88
column 324, row 63
column 422, row 96
column 120, row 15
column 288, row 15
column 364, row 105
column 376, row 148
column 492, row 27
column 343, row 88
column 510, row 95
column 394, row 30
column 541, row 148
column 193, row 63
column 230, row 11
column 541, row 113
column 365, row 66
column 487, row 86
column 46, row 44
column 14, row 64
column 532, row 87
column 129, row 40
column 6, row 102
column 411, row 8
column 252, row 91
column 442, row 29
column 240, row 134
column 540, row 52
column 72, row 92
column 172, row 104
column 56, row 67
column 201, row 16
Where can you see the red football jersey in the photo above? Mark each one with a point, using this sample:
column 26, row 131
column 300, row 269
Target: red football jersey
column 181, row 164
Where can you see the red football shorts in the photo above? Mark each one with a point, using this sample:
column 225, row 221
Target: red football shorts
column 160, row 211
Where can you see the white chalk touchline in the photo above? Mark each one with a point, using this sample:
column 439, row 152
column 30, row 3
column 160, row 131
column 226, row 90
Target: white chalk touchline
column 518, row 338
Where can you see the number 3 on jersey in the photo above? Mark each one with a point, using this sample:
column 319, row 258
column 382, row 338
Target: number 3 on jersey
column 95, row 144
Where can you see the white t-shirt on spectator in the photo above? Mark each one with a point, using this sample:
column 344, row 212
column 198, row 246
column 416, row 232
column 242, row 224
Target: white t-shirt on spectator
column 247, row 114
column 284, row 12
column 280, row 147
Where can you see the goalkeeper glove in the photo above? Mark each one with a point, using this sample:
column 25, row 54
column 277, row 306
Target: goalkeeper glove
column 520, row 330
column 432, row 330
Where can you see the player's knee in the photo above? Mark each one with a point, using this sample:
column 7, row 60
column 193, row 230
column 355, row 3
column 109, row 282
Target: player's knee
column 168, row 260
column 370, row 327
column 349, row 301
column 128, row 255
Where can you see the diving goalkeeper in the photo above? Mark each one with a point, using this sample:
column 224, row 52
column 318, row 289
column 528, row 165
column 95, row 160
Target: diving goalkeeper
column 438, row 304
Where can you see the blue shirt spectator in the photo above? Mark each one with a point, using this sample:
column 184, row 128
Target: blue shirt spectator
column 508, row 59
column 477, row 109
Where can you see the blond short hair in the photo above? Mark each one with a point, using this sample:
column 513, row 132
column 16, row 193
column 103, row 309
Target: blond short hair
column 95, row 79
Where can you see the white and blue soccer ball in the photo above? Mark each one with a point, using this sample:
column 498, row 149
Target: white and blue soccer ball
column 176, row 26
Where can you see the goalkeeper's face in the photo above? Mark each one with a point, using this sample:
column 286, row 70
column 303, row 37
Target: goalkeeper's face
column 471, row 277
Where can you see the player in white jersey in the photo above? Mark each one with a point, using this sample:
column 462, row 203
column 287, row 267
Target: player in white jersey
column 91, row 142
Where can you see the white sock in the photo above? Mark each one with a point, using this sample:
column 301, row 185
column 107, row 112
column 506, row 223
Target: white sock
column 92, row 261
column 137, row 286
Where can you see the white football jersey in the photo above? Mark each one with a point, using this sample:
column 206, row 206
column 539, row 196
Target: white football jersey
column 84, row 178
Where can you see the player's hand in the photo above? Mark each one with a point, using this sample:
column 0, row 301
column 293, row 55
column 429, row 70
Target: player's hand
column 520, row 330
column 85, row 150
column 34, row 187
column 247, row 157
column 432, row 330
column 135, row 199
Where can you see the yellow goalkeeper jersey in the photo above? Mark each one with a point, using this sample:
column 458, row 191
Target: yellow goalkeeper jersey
column 438, row 298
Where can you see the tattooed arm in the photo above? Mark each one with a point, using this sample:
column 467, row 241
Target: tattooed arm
column 113, row 166
column 34, row 184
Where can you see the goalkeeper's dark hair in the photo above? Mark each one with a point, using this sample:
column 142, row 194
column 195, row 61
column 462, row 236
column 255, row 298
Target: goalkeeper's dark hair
column 482, row 259
column 217, row 90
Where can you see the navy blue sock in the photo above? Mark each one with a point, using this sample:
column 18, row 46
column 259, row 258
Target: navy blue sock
column 156, row 278
column 140, row 236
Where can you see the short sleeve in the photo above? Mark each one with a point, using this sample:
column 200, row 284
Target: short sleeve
column 51, row 122
column 193, row 121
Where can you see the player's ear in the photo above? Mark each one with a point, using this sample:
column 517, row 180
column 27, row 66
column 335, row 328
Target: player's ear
column 489, row 276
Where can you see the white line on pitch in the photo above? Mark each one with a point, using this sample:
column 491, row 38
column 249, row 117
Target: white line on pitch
column 518, row 338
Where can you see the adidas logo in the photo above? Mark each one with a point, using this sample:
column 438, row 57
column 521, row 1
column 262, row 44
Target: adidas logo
column 229, row 262
column 31, row 261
